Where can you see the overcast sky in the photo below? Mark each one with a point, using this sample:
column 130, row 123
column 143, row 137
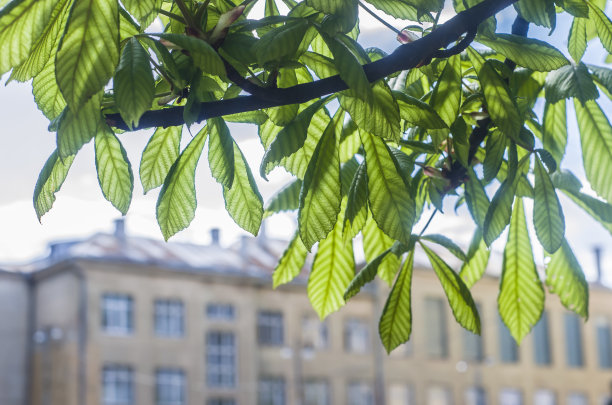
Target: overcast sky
column 81, row 210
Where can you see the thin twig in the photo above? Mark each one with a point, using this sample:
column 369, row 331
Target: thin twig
column 383, row 22
column 433, row 214
column 172, row 15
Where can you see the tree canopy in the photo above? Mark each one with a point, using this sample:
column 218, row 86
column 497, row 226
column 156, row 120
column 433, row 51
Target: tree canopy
column 459, row 112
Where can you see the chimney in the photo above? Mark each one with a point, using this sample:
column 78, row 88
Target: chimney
column 214, row 236
column 597, row 251
column 120, row 228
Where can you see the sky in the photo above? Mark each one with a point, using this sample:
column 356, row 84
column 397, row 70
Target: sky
column 80, row 209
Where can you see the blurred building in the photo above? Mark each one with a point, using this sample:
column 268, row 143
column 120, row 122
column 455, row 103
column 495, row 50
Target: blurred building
column 118, row 320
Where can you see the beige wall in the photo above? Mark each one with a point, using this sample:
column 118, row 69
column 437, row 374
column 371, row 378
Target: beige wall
column 13, row 338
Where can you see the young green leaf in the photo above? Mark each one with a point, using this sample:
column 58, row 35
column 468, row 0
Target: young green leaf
column 76, row 129
column 281, row 43
column 357, row 203
column 495, row 149
column 204, row 56
column 554, row 131
column 446, row 97
column 603, row 26
column 565, row 277
column 49, row 182
column 242, row 199
column 320, row 197
column 570, row 81
column 459, row 296
column 375, row 242
column 89, row 51
column 416, row 112
column 332, row 270
column 283, row 115
column 47, row 94
column 365, row 276
column 395, row 323
column 291, row 263
column 547, row 213
column 114, row 170
column 446, row 243
column 521, row 296
column 596, row 141
column 476, row 198
column 577, row 41
column 540, row 12
column 475, row 266
column 391, row 204
column 133, row 83
column 176, row 203
column 143, row 10
column 221, row 152
column 161, row 152
column 527, row 52
column 397, row 9
column 287, row 198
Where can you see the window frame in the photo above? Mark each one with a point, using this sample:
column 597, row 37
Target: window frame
column 351, row 327
column 269, row 333
column 125, row 325
column 119, row 372
column 219, row 370
column 157, row 317
column 172, row 372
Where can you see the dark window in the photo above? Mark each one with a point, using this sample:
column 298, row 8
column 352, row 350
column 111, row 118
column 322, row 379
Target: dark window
column 510, row 396
column 360, row 393
column 117, row 385
column 356, row 336
column 573, row 340
column 437, row 334
column 475, row 396
column 221, row 401
column 314, row 333
column 220, row 359
column 508, row 350
column 316, row 392
column 170, row 387
column 169, row 318
column 117, row 314
column 220, row 312
column 604, row 348
column 270, row 328
column 541, row 342
column 271, row 391
column 472, row 347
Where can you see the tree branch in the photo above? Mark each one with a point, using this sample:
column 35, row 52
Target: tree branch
column 406, row 56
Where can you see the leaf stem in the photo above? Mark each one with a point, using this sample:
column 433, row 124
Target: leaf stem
column 175, row 17
column 433, row 214
column 186, row 13
column 383, row 22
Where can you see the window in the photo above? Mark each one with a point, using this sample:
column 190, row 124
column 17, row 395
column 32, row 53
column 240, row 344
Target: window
column 435, row 316
column 220, row 312
column 604, row 340
column 220, row 359
column 400, row 394
column 508, row 350
column 438, row 395
column 314, row 333
column 169, row 318
column 316, row 392
column 356, row 336
column 541, row 342
column 360, row 393
column 170, row 387
column 117, row 385
column 270, row 328
column 510, row 396
column 472, row 347
column 117, row 314
column 544, row 397
column 475, row 396
column 271, row 391
column 573, row 340
column 221, row 401
column 577, row 398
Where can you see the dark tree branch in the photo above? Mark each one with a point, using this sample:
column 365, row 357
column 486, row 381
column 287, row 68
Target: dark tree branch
column 406, row 56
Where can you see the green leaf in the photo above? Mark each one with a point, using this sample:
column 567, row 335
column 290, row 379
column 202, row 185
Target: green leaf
column 446, row 243
column 133, row 83
column 283, row 115
column 47, row 94
column 500, row 103
column 357, row 204
column 114, row 170
column 391, row 203
column 177, row 203
column 349, row 68
column 242, row 199
column 397, row 9
column 287, row 198
column 21, row 24
column 375, row 242
column 459, row 297
column 332, row 270
column 46, row 44
column 365, row 275
column 521, row 296
column 320, row 197
column 290, row 139
column 540, row 12
column 495, row 150
column 395, row 323
column 446, row 97
column 143, row 10
column 89, row 50
column 527, row 52
column 291, row 263
column 554, row 134
column 380, row 117
column 158, row 156
column 570, row 81
column 476, row 198
column 416, row 112
column 204, row 56
column 75, row 130
column 577, row 41
column 603, row 25
column 475, row 266
column 221, row 152
column 565, row 277
column 547, row 213
column 281, row 43
column 600, row 210
column 596, row 141
column 49, row 182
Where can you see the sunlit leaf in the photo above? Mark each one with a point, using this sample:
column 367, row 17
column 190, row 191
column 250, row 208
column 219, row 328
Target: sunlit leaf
column 548, row 216
column 291, row 262
column 161, row 152
column 565, row 277
column 49, row 182
column 475, row 266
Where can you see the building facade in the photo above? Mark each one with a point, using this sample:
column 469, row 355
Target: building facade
column 113, row 320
